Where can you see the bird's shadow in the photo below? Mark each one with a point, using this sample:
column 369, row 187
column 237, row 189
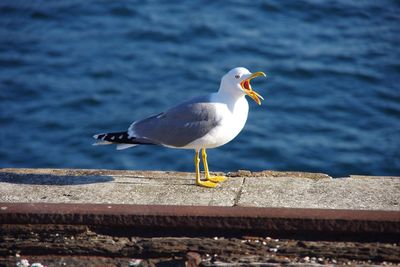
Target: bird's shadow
column 49, row 179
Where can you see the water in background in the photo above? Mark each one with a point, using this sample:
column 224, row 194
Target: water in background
column 70, row 69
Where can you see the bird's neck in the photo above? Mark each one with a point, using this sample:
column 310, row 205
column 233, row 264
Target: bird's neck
column 232, row 94
column 230, row 97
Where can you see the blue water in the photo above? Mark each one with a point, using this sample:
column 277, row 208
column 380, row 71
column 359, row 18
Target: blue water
column 72, row 68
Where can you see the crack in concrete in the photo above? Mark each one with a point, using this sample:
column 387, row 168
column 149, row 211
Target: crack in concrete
column 239, row 194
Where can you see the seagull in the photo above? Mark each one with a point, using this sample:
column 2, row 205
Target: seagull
column 203, row 122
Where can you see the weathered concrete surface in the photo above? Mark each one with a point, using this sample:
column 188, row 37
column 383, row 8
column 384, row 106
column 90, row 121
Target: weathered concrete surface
column 344, row 193
column 243, row 188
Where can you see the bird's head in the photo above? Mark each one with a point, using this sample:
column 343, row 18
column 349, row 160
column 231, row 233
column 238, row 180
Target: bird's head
column 238, row 80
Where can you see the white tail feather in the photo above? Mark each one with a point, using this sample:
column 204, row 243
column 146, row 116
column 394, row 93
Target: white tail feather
column 124, row 146
column 101, row 143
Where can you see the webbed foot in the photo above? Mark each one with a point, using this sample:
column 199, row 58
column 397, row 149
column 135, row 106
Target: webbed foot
column 208, row 184
column 216, row 179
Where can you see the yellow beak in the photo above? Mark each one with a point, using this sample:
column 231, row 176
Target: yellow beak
column 245, row 84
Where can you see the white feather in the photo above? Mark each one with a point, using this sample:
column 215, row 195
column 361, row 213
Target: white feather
column 131, row 131
column 124, row 146
column 102, row 143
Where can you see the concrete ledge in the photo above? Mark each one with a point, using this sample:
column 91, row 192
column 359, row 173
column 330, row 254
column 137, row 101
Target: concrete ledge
column 243, row 188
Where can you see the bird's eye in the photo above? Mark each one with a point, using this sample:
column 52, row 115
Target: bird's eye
column 237, row 76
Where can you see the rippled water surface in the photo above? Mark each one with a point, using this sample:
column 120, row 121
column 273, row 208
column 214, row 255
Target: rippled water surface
column 69, row 69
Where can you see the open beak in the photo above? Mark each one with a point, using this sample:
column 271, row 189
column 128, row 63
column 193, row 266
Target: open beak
column 245, row 84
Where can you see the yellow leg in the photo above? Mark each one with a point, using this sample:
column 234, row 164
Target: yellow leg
column 215, row 179
column 198, row 181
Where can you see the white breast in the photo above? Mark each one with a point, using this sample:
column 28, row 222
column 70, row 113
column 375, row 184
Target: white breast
column 232, row 115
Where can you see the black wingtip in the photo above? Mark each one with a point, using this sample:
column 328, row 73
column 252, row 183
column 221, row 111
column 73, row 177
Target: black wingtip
column 99, row 136
column 122, row 138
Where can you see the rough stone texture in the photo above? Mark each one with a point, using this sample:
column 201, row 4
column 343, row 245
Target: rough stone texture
column 53, row 247
column 130, row 187
column 243, row 188
column 371, row 193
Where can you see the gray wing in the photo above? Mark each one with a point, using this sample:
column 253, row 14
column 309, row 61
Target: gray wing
column 179, row 125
